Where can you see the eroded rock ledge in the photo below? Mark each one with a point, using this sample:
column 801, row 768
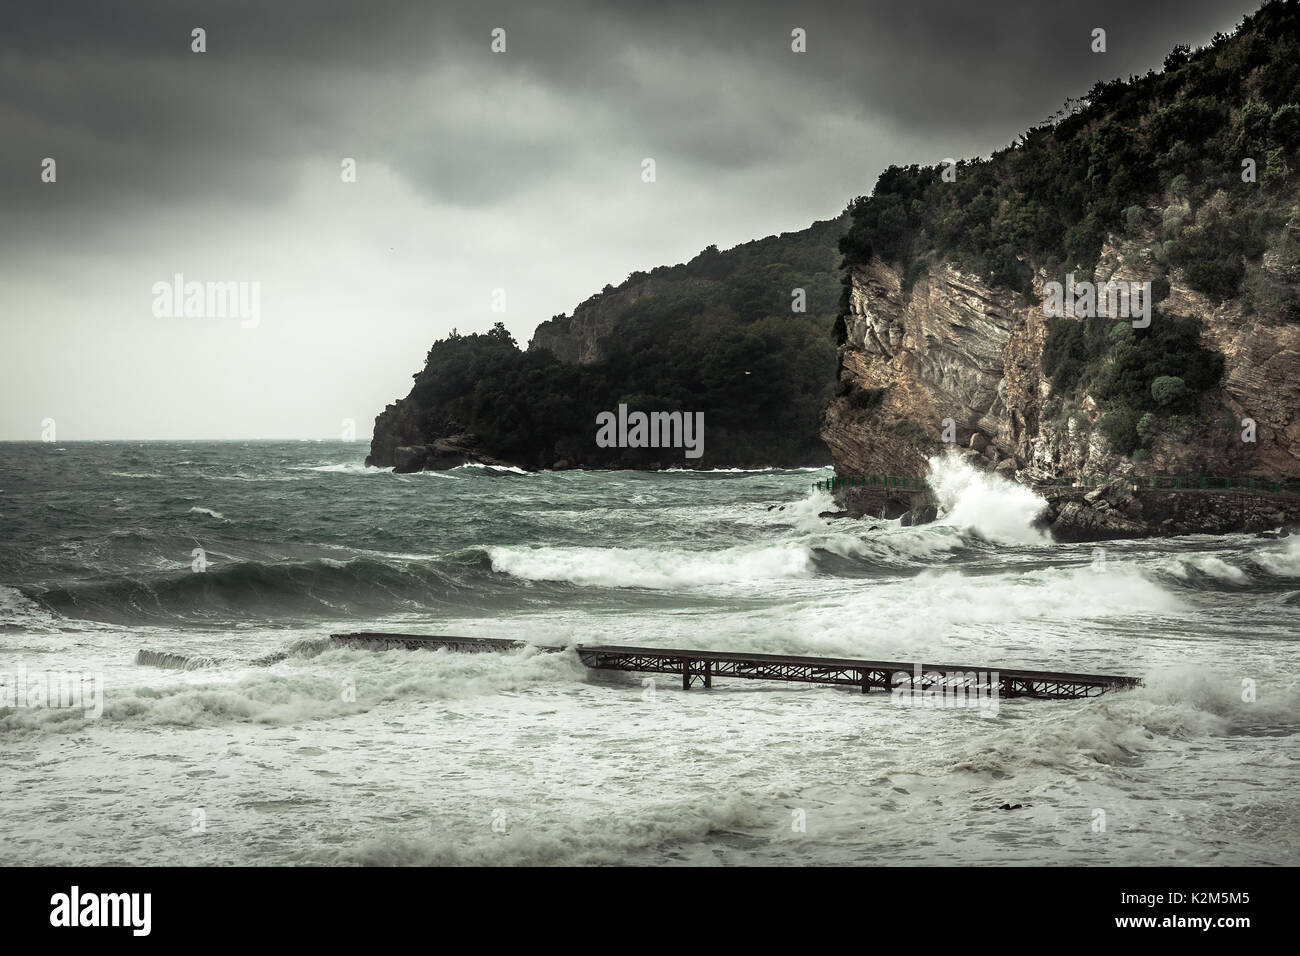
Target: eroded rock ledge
column 1114, row 511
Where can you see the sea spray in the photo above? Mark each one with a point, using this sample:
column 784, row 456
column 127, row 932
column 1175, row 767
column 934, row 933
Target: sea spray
column 1283, row 562
column 655, row 568
column 998, row 510
column 281, row 758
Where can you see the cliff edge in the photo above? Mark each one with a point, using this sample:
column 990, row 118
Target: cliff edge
column 1176, row 188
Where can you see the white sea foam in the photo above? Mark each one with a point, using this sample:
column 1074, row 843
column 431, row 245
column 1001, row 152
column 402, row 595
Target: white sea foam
column 293, row 764
column 197, row 510
column 665, row 569
column 240, row 476
column 608, row 839
column 1283, row 561
column 963, row 615
column 303, row 688
column 18, row 610
column 502, row 468
column 1206, row 564
column 345, row 468
column 999, row 510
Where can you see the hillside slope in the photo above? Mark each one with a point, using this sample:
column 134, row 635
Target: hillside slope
column 718, row 335
column 1186, row 179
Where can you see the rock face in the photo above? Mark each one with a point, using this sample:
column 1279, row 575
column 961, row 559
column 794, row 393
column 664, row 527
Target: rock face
column 1118, row 510
column 907, row 507
column 960, row 360
column 951, row 354
column 441, row 454
column 577, row 339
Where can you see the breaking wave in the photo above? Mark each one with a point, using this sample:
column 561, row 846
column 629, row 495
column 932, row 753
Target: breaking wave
column 303, row 687
column 317, row 588
column 653, row 568
column 998, row 510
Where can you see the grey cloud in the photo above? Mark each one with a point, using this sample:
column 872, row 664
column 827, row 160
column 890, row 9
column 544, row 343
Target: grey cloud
column 519, row 169
column 114, row 93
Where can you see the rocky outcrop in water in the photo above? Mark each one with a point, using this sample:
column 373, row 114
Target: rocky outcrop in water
column 1118, row 510
column 440, row 454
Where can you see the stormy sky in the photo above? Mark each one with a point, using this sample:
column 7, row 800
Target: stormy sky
column 475, row 171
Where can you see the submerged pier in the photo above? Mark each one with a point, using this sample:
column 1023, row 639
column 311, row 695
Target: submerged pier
column 698, row 668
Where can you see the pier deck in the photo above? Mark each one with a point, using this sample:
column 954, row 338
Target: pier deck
column 698, row 667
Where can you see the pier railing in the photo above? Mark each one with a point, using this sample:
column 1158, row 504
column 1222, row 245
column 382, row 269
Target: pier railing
column 699, row 667
column 901, row 482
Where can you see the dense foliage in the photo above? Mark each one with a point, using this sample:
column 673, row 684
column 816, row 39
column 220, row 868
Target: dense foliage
column 1162, row 152
column 1131, row 372
column 715, row 335
column 1165, row 159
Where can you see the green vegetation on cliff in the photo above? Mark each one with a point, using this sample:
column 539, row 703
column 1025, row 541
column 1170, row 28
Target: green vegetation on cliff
column 715, row 335
column 1134, row 374
column 1192, row 163
column 1163, row 151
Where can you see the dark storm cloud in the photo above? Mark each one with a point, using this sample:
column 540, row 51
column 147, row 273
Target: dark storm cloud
column 113, row 92
column 476, row 171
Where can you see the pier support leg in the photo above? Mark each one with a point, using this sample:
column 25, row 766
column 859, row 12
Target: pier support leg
column 691, row 671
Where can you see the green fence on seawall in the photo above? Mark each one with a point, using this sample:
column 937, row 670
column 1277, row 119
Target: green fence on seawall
column 873, row 481
column 1165, row 482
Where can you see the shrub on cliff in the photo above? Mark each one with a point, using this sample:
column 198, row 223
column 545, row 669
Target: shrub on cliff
column 1131, row 372
column 1050, row 200
column 717, row 335
column 1168, row 390
column 1120, row 426
column 866, row 399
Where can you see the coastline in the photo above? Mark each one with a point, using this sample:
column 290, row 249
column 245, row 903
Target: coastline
column 1117, row 510
column 444, row 454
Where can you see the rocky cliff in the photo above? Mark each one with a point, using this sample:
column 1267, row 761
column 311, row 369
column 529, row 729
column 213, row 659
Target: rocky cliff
column 955, row 348
column 739, row 337
column 1179, row 183
column 579, row 339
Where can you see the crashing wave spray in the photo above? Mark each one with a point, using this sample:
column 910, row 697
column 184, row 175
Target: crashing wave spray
column 186, row 662
column 998, row 510
column 181, row 662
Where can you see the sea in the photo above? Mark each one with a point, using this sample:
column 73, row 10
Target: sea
column 189, row 590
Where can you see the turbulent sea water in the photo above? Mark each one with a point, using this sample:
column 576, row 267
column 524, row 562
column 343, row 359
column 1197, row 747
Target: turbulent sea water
column 287, row 751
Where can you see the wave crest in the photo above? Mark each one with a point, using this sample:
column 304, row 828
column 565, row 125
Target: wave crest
column 653, row 568
column 998, row 510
